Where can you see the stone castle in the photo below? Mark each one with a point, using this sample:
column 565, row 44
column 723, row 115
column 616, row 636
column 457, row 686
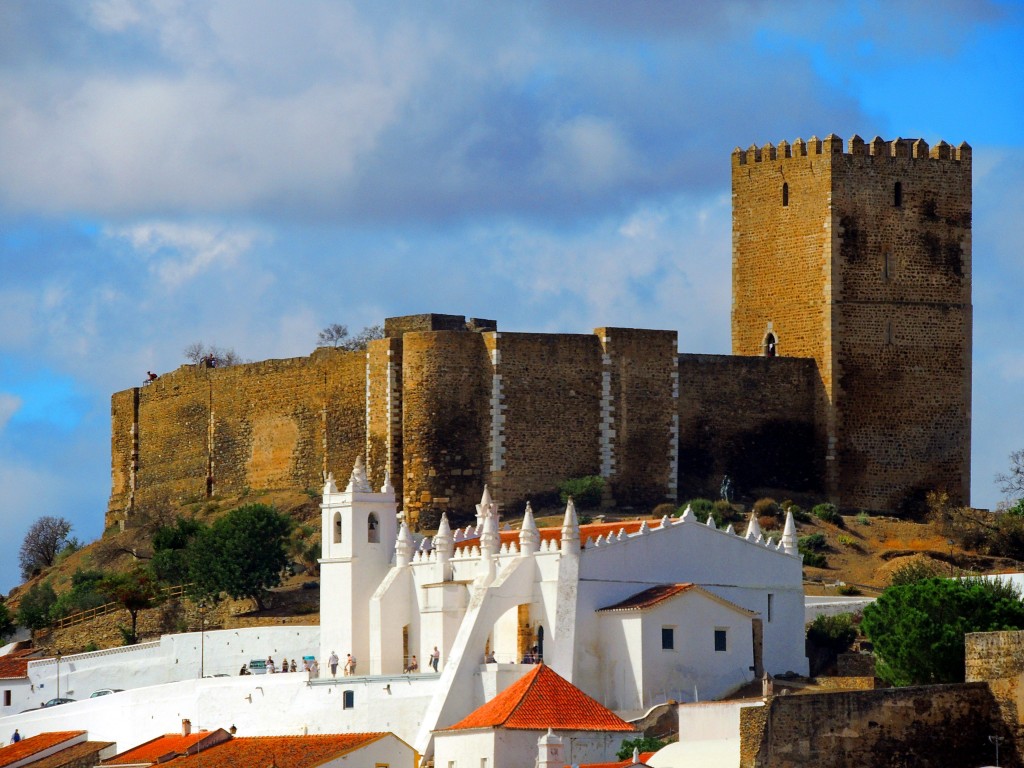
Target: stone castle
column 850, row 373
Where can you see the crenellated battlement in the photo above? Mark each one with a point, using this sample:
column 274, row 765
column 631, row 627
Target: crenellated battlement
column 916, row 149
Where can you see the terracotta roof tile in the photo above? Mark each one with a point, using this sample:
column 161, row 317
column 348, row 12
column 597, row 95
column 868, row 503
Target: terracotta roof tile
column 84, row 753
column 168, row 744
column 32, row 744
column 657, row 594
column 542, row 699
column 282, row 751
column 554, row 533
column 15, row 664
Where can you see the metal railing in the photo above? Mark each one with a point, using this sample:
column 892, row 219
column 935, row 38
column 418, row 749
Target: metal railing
column 81, row 617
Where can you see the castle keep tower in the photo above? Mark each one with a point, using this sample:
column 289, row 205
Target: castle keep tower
column 861, row 260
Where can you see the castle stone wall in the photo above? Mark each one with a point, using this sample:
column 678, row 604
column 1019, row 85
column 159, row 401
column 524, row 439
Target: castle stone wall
column 545, row 413
column 446, row 388
column 927, row 727
column 751, row 418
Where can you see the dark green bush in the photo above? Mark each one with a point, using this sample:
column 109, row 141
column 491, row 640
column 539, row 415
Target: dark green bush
column 701, row 508
column 836, row 633
column 815, row 542
column 827, row 513
column 800, row 515
column 815, row 560
column 767, row 507
column 586, row 492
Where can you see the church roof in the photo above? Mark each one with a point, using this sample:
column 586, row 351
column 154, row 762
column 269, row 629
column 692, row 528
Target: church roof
column 662, row 592
column 539, row 700
column 31, row 745
column 554, row 533
column 15, row 664
column 644, row 756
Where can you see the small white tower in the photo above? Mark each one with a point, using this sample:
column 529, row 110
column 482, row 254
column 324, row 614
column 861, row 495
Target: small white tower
column 358, row 537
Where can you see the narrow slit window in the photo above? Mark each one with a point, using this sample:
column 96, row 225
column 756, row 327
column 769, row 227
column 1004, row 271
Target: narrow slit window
column 337, row 528
column 897, row 194
column 785, row 194
column 372, row 531
column 887, row 266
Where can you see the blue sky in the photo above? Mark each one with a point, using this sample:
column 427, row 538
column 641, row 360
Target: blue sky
column 244, row 173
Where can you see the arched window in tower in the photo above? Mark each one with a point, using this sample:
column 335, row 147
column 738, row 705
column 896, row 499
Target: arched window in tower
column 785, row 193
column 897, row 194
column 372, row 529
column 887, row 266
column 769, row 345
column 337, row 528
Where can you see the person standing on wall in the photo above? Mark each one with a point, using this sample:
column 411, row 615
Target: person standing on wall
column 333, row 662
column 435, row 658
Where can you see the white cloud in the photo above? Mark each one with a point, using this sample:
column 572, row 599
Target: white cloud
column 182, row 252
column 9, row 405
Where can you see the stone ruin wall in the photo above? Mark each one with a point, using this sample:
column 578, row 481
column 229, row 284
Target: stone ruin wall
column 196, row 432
column 997, row 658
column 933, row 726
column 751, row 418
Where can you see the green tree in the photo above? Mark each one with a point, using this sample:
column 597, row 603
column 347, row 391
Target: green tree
column 7, row 625
column 586, row 492
column 36, row 605
column 84, row 594
column 918, row 629
column 170, row 545
column 136, row 590
column 241, row 554
column 643, row 744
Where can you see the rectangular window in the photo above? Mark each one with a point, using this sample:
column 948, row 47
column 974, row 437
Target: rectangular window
column 7, row 698
column 451, row 764
column 668, row 638
column 721, row 642
column 348, row 699
column 483, row 762
column 770, row 596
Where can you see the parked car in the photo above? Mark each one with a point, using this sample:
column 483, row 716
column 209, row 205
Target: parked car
column 104, row 692
column 56, row 702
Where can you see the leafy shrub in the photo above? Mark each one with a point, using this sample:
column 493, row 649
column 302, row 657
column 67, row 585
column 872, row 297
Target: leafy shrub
column 815, row 560
column 863, row 518
column 847, row 590
column 836, row 633
column 701, row 508
column 766, row 507
column 586, row 492
column 846, row 541
column 827, row 513
column 913, row 572
column 814, row 542
column 726, row 512
column 663, row 510
column 643, row 744
column 768, row 522
column 36, row 604
column 83, row 595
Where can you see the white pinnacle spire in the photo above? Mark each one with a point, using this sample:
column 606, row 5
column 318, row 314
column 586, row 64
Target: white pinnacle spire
column 789, row 535
column 688, row 516
column 443, row 538
column 404, row 546
column 529, row 536
column 570, row 528
column 329, row 484
column 483, row 509
column 358, row 482
column 753, row 528
column 387, row 487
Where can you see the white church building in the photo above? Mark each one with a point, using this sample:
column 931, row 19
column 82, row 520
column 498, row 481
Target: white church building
column 632, row 613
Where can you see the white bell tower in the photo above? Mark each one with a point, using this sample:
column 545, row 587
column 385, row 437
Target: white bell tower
column 358, row 533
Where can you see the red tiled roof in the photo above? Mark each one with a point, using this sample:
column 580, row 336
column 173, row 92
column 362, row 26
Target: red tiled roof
column 282, row 751
column 169, row 744
column 621, row 764
column 589, row 531
column 34, row 744
column 649, row 597
column 539, row 700
column 661, row 592
column 84, row 753
column 15, row 664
